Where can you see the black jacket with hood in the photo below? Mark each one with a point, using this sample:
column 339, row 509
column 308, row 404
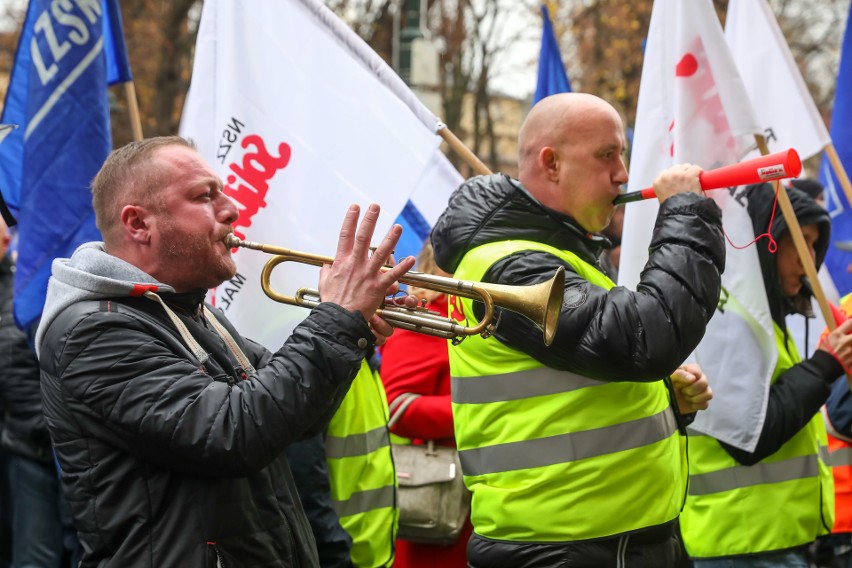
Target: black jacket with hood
column 798, row 393
column 609, row 335
column 168, row 460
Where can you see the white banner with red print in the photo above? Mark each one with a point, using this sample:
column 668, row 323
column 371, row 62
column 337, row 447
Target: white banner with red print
column 693, row 108
column 300, row 119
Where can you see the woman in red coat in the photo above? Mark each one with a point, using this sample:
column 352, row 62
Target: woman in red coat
column 417, row 363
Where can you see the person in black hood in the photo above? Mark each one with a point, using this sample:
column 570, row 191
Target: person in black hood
column 169, row 427
column 572, row 449
column 786, row 474
column 787, row 293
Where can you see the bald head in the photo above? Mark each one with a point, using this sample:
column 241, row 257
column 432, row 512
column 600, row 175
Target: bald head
column 556, row 120
column 569, row 156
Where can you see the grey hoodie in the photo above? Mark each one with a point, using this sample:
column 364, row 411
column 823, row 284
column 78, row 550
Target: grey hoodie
column 92, row 274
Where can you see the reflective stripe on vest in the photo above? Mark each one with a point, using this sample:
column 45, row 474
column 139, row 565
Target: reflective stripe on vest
column 552, row 456
column 361, row 472
column 517, row 386
column 568, row 447
column 356, row 444
column 364, row 501
column 733, row 509
column 841, row 457
column 747, row 476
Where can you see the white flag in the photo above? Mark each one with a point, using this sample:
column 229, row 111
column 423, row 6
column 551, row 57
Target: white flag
column 785, row 108
column 693, row 108
column 301, row 118
column 781, row 99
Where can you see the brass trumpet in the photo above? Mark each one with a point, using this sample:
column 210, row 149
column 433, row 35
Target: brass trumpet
column 540, row 303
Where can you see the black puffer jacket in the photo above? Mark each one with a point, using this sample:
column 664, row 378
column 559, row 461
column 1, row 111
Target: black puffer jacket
column 25, row 431
column 606, row 335
column 171, row 462
column 797, row 394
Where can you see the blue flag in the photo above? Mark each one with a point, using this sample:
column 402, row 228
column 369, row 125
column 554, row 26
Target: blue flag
column 67, row 55
column 415, row 230
column 839, row 254
column 552, row 77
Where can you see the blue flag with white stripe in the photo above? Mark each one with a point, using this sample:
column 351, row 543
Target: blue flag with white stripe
column 552, row 78
column 67, row 54
column 839, row 255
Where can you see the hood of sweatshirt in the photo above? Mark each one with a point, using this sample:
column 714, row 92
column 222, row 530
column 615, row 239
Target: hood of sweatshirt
column 92, row 274
column 761, row 200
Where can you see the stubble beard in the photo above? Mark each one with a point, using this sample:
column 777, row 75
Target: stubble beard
column 193, row 251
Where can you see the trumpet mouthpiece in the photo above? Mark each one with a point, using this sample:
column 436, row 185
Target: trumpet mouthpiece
column 232, row 241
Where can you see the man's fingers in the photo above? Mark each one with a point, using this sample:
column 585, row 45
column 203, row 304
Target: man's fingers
column 381, row 329
column 407, row 301
column 347, row 232
column 693, row 368
column 364, row 236
column 385, row 249
column 398, row 271
column 682, row 377
column 697, row 390
column 393, row 289
column 845, row 327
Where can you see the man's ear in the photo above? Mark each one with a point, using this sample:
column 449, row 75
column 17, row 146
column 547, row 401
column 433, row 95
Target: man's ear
column 136, row 223
column 549, row 162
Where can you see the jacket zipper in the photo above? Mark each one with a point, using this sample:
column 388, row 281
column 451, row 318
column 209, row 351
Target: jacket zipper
column 219, row 562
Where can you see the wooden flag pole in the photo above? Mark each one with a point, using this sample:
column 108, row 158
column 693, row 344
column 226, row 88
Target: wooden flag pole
column 466, row 154
column 799, row 241
column 839, row 170
column 133, row 110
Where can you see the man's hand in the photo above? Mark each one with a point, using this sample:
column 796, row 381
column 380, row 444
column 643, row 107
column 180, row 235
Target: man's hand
column 355, row 280
column 839, row 344
column 677, row 179
column 692, row 391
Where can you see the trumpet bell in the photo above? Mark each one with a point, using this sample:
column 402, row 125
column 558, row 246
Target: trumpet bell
column 540, row 303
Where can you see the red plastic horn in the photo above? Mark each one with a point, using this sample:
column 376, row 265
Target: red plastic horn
column 765, row 168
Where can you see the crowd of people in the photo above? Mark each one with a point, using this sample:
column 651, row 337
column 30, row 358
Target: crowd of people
column 179, row 442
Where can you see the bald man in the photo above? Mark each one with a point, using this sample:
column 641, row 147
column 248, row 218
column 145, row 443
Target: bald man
column 573, row 450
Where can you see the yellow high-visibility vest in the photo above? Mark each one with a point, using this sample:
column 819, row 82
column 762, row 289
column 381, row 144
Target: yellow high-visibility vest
column 361, row 472
column 784, row 501
column 553, row 456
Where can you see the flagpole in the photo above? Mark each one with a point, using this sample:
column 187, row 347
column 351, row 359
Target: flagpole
column 839, row 170
column 799, row 242
column 133, row 110
column 466, row 153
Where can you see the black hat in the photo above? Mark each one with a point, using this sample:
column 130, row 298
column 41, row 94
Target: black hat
column 810, row 186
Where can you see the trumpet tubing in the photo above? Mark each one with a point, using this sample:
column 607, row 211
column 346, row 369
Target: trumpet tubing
column 541, row 303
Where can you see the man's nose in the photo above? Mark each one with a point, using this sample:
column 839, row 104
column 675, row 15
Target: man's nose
column 228, row 211
column 621, row 175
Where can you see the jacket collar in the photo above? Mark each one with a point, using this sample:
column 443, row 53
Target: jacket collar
column 495, row 208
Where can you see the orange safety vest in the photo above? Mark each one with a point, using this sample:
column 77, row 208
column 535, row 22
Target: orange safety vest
column 840, row 452
column 840, row 458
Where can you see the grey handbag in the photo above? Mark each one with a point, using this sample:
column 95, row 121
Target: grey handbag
column 433, row 502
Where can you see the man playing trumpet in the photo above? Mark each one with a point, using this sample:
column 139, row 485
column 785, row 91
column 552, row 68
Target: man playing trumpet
column 168, row 425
